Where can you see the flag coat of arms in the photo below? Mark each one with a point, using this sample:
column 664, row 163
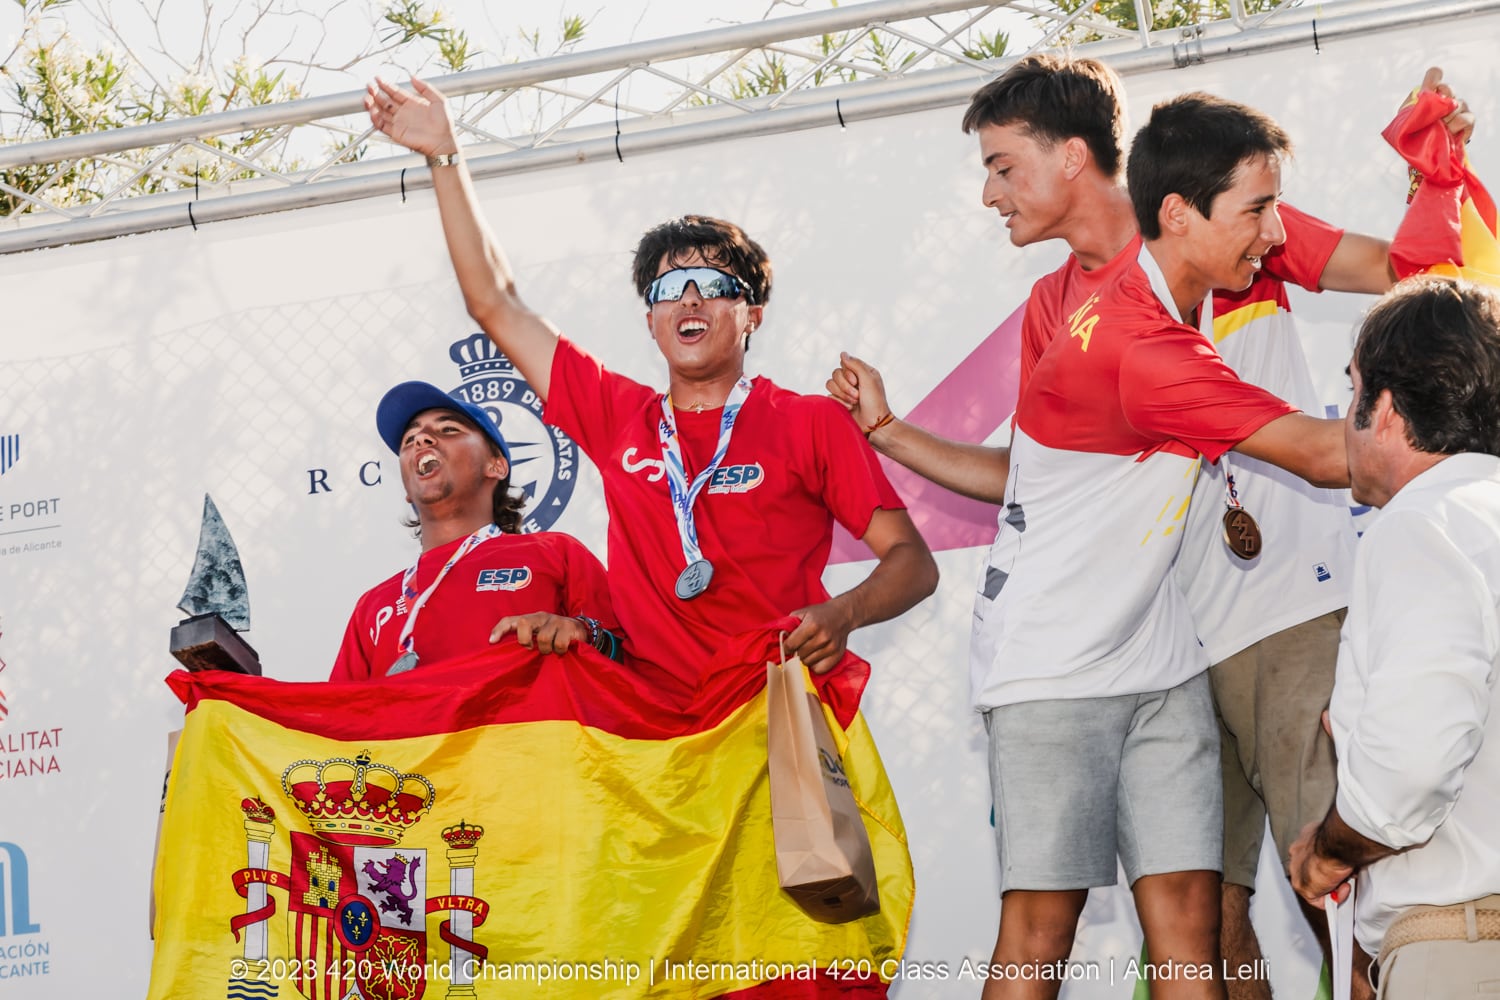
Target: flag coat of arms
column 507, row 824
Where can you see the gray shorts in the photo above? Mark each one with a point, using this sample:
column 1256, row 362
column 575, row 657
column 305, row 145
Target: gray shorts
column 1077, row 782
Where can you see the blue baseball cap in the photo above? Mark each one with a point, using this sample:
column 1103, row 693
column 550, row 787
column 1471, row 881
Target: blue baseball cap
column 405, row 401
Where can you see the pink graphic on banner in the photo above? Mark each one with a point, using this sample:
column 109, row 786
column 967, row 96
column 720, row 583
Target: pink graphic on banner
column 968, row 405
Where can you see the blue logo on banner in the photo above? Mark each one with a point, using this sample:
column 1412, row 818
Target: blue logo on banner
column 543, row 460
column 10, row 451
column 15, row 893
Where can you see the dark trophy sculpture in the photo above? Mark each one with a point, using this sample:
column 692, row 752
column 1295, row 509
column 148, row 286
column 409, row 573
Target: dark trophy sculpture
column 217, row 602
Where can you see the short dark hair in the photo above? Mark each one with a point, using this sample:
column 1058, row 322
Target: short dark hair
column 1434, row 344
column 1054, row 98
column 1192, row 146
column 722, row 244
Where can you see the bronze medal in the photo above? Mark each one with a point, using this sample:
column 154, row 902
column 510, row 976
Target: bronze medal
column 1241, row 533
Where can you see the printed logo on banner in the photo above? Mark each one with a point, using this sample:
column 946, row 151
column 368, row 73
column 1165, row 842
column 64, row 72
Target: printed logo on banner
column 543, row 460
column 25, row 521
column 357, row 899
column 23, row 954
column 25, row 753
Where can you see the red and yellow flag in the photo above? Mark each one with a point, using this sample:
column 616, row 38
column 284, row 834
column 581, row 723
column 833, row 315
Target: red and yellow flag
column 1450, row 224
column 506, row 825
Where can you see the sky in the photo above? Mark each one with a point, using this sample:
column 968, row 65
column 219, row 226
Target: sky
column 336, row 29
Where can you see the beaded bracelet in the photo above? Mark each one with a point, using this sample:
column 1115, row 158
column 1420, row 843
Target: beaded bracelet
column 601, row 638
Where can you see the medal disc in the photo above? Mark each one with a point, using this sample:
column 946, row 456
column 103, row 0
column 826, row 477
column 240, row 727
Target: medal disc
column 405, row 662
column 694, row 580
column 1241, row 533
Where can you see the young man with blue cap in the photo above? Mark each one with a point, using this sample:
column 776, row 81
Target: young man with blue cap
column 476, row 568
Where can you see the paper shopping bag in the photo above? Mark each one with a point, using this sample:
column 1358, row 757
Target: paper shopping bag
column 823, row 858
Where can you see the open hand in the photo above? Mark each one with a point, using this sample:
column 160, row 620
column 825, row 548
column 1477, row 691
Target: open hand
column 417, row 118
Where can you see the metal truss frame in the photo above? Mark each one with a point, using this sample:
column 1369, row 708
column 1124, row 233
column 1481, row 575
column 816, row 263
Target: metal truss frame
column 810, row 70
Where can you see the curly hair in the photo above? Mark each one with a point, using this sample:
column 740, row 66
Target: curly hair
column 722, row 244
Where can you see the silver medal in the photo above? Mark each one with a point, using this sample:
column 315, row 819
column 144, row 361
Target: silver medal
column 405, row 662
column 694, row 580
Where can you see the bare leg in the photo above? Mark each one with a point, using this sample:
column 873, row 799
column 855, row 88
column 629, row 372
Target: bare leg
column 1361, row 988
column 1241, row 947
column 1179, row 913
column 1036, row 929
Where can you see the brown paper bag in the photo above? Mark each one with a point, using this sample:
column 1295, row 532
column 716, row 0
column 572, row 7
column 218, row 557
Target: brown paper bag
column 823, row 857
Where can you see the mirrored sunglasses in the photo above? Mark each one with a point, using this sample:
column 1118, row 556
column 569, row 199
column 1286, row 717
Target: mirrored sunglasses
column 712, row 284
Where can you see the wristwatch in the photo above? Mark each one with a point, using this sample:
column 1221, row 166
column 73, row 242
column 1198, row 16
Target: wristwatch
column 444, row 160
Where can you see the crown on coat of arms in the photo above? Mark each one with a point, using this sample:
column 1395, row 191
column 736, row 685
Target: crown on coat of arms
column 357, row 802
column 462, row 835
column 257, row 811
column 478, row 355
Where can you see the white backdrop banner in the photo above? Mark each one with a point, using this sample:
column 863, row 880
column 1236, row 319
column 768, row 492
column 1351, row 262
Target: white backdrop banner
column 244, row 361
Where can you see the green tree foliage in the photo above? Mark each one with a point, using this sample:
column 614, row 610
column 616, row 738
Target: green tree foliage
column 85, row 66
column 1164, row 13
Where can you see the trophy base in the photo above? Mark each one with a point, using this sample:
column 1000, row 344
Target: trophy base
column 206, row 642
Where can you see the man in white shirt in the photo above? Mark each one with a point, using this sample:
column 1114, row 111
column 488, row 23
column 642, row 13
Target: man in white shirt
column 1412, row 715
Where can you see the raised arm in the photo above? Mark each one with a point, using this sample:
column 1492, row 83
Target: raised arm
column 972, row 470
column 1359, row 264
column 418, row 119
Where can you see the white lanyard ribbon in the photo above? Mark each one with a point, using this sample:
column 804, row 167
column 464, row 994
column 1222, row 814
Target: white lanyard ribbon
column 1340, row 940
column 415, row 603
column 683, row 494
column 1163, row 292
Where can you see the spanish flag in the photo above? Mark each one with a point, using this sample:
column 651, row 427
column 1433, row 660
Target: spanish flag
column 506, row 825
column 1451, row 218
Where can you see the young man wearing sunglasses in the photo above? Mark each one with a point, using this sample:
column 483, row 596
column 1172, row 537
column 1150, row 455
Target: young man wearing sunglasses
column 722, row 491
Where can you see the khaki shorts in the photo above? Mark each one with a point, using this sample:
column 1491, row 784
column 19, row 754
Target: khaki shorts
column 1275, row 756
column 1449, row 960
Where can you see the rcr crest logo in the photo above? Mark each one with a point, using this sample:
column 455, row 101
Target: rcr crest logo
column 544, row 460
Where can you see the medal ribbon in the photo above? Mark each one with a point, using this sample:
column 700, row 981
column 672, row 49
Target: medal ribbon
column 1231, row 493
column 409, row 594
column 684, row 495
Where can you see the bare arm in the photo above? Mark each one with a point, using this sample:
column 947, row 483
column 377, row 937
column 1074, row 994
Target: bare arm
column 1359, row 264
column 973, row 470
column 419, row 121
column 1302, row 445
column 905, row 575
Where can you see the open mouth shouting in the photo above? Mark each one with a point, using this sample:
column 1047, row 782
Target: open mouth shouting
column 691, row 329
column 426, row 464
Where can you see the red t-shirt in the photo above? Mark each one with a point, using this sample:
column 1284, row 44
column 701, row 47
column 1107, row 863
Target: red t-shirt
column 506, row 575
column 1056, row 296
column 1076, row 600
column 765, row 521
